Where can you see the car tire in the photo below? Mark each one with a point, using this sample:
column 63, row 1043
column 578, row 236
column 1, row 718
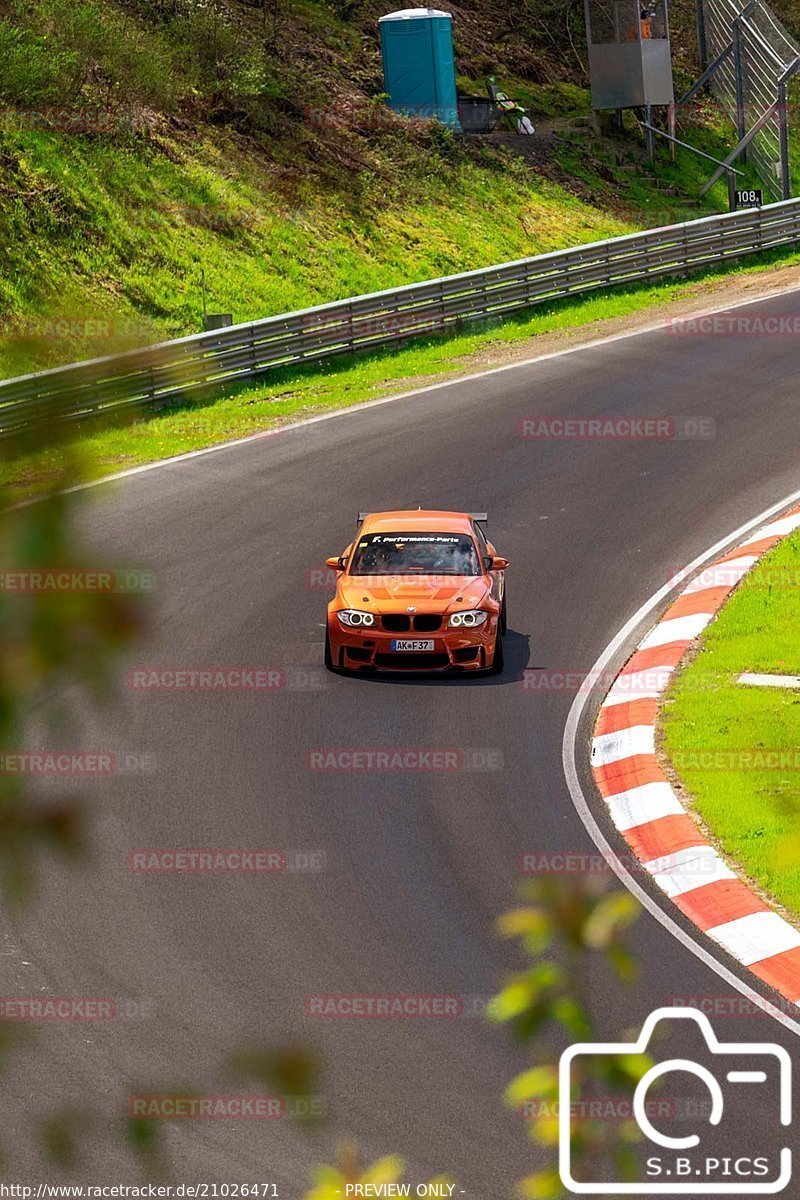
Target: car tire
column 499, row 658
column 504, row 615
column 328, row 656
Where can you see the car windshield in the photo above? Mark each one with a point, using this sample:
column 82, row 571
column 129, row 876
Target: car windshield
column 415, row 554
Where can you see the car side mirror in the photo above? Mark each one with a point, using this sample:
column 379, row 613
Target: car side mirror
column 496, row 563
column 338, row 563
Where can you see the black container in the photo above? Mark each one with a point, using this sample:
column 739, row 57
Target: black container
column 477, row 114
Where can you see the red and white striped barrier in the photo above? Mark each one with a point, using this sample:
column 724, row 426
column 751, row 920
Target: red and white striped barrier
column 643, row 805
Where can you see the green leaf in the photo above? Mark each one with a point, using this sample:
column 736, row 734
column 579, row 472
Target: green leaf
column 544, row 1185
column 573, row 1017
column 533, row 925
column 518, row 996
column 613, row 912
column 538, row 1081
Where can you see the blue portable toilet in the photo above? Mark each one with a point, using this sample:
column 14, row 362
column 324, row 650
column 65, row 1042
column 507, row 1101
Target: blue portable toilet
column 419, row 67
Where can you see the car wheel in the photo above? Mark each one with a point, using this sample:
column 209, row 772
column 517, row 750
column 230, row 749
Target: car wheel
column 499, row 658
column 504, row 615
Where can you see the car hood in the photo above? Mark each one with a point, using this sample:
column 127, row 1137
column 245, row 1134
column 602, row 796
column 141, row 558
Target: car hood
column 397, row 593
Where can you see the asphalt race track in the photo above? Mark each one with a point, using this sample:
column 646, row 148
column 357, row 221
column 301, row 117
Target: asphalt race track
column 418, row 865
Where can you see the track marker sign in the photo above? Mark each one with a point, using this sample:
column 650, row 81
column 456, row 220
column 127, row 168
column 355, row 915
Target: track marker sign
column 749, row 198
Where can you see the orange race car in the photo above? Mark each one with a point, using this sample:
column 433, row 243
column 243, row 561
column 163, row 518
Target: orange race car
column 418, row 591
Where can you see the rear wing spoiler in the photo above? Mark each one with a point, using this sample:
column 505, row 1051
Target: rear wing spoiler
column 482, row 517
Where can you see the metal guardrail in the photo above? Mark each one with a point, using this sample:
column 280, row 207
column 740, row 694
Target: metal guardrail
column 155, row 375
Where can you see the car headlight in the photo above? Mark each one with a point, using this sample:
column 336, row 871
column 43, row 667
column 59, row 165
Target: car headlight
column 354, row 618
column 467, row 619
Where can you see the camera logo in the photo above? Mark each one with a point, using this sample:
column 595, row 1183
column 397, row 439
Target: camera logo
column 686, row 1165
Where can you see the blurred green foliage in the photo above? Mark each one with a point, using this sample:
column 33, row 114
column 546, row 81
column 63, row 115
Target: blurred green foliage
column 566, row 928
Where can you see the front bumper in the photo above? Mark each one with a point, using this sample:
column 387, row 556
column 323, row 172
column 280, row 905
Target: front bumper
column 454, row 650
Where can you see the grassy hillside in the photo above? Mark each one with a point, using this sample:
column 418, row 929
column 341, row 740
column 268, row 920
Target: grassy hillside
column 145, row 142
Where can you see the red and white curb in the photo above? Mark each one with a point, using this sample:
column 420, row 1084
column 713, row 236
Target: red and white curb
column 642, row 803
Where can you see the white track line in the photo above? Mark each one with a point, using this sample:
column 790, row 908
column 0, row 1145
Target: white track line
column 662, row 326
column 638, row 624
column 639, row 618
column 773, row 681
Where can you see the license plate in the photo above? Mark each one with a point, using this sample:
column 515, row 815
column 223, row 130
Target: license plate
column 411, row 645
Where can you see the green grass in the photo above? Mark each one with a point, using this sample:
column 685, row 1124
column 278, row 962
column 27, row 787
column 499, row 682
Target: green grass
column 291, row 394
column 110, row 232
column 119, row 231
column 258, row 151
column 754, row 815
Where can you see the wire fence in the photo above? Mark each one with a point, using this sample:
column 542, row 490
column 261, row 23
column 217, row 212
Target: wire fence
column 751, row 82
